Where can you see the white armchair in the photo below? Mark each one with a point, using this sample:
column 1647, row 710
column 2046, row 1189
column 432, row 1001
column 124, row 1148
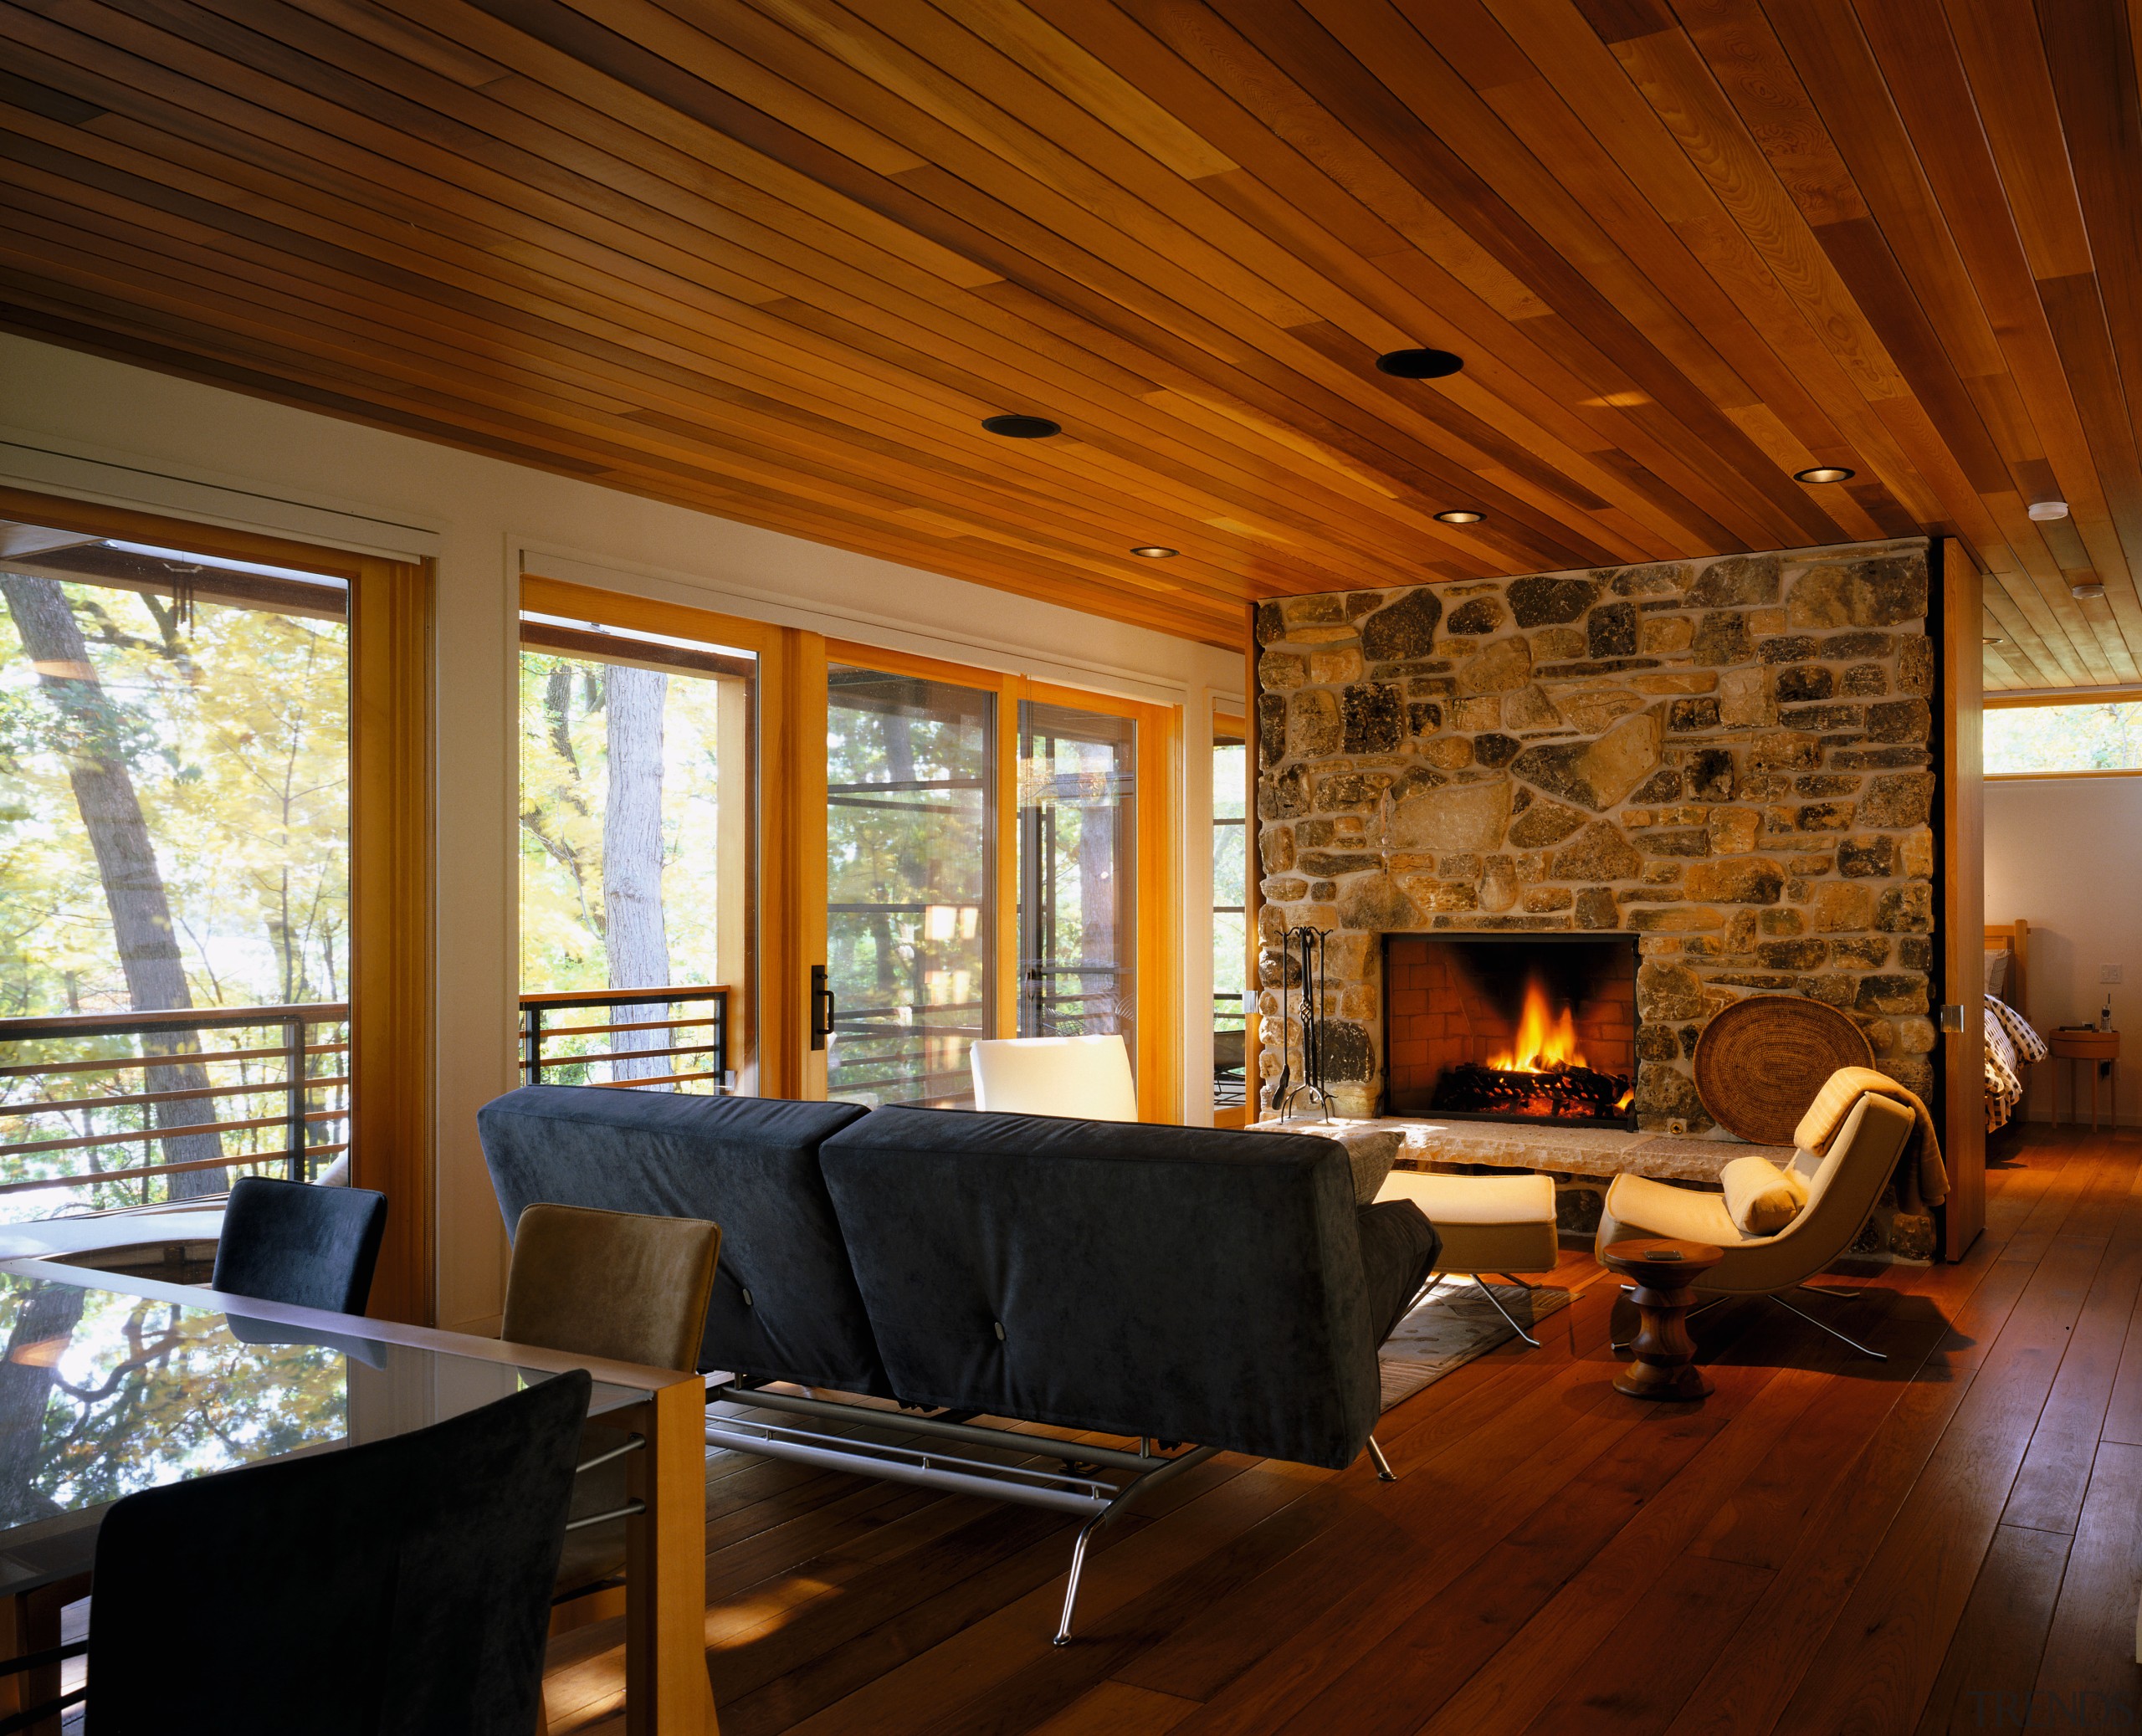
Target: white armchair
column 1085, row 1077
column 1843, row 1185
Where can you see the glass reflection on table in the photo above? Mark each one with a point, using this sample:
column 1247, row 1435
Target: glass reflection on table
column 103, row 1393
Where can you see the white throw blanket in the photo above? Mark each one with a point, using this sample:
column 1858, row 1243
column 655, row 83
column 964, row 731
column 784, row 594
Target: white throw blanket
column 2010, row 1045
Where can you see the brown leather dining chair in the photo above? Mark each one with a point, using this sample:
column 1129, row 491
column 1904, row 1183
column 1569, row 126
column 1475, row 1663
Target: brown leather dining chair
column 624, row 1287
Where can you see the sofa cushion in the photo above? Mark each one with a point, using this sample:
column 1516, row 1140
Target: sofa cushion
column 785, row 1304
column 1182, row 1283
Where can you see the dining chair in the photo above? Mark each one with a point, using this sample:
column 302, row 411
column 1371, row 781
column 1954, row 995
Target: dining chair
column 403, row 1585
column 620, row 1286
column 300, row 1243
column 1086, row 1077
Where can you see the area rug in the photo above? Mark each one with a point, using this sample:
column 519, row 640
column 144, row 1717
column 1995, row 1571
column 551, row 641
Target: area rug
column 1453, row 1323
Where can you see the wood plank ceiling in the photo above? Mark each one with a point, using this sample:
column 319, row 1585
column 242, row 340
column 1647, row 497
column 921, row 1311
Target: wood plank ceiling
column 777, row 258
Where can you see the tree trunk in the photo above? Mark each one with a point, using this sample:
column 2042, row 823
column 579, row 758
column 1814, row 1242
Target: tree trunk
column 47, row 1322
column 636, row 938
column 126, row 864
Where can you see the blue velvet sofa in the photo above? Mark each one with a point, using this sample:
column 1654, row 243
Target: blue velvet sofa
column 1172, row 1284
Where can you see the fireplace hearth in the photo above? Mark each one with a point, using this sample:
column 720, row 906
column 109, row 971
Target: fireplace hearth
column 1530, row 1027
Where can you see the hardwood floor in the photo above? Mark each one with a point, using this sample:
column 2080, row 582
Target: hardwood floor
column 1945, row 1542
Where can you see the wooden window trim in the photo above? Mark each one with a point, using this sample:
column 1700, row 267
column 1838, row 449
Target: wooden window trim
column 2068, row 696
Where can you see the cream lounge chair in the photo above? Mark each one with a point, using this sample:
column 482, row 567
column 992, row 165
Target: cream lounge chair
column 1842, row 1185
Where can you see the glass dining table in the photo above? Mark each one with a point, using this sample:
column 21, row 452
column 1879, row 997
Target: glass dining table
column 110, row 1385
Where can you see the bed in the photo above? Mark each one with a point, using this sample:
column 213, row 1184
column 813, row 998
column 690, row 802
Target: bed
column 2012, row 1043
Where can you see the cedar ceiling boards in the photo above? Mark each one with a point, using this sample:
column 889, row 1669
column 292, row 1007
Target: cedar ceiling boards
column 776, row 259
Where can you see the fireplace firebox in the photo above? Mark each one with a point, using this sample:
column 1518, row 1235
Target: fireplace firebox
column 1511, row 1027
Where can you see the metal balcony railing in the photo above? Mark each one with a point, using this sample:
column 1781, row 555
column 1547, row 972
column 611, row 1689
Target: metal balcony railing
column 571, row 1053
column 74, row 1089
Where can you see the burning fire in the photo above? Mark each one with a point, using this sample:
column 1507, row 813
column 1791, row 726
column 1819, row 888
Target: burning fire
column 1546, row 1044
column 1546, row 1039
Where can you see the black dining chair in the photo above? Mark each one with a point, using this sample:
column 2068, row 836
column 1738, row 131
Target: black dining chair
column 400, row 1586
column 297, row 1243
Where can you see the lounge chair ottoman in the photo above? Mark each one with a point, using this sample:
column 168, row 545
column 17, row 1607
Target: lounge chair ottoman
column 1489, row 1223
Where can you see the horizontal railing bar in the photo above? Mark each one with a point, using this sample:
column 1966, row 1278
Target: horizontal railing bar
column 625, row 997
column 665, row 1079
column 700, row 1049
column 551, row 1030
column 246, row 1161
column 68, row 1105
column 177, row 1019
column 115, row 1062
column 157, row 1134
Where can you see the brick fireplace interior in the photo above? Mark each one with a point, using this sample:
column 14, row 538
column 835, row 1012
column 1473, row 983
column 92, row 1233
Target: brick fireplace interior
column 1512, row 1028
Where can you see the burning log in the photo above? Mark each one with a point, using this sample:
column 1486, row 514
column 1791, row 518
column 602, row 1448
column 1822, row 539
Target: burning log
column 1561, row 1091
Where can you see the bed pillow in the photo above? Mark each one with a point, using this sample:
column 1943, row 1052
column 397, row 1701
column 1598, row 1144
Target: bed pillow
column 1997, row 969
column 1759, row 1197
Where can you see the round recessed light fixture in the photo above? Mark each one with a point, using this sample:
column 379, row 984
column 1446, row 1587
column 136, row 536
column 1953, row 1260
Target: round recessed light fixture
column 1154, row 552
column 1460, row 515
column 1020, row 427
column 1825, row 473
column 2044, row 511
column 1420, row 364
column 2086, row 590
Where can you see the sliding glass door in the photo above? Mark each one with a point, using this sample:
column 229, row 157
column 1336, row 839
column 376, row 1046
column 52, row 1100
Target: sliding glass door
column 1078, row 872
column 910, row 929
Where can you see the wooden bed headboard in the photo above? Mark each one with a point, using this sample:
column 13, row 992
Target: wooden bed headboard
column 2013, row 937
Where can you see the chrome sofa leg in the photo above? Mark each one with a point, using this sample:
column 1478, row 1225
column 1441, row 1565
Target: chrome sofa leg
column 1383, row 1470
column 1505, row 1313
column 1863, row 1350
column 1071, row 1592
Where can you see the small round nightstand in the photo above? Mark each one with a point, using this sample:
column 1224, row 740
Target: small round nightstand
column 2101, row 1050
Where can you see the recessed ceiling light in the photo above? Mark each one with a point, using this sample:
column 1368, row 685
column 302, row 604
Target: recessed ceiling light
column 1420, row 364
column 1154, row 552
column 1022, row 428
column 1825, row 473
column 2086, row 590
column 2044, row 510
column 1460, row 515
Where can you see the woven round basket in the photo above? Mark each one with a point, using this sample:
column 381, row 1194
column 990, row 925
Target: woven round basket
column 1760, row 1063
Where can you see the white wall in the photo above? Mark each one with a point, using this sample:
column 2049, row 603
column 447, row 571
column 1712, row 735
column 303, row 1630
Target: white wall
column 2062, row 854
column 89, row 428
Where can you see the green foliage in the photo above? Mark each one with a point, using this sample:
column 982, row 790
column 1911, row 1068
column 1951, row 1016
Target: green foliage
column 236, row 736
column 234, row 732
column 563, row 783
column 2064, row 738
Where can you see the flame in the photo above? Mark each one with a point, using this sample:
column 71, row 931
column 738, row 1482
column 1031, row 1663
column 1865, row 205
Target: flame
column 1546, row 1038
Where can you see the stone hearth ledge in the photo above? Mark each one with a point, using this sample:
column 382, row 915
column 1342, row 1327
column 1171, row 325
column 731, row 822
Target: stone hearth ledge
column 1571, row 1151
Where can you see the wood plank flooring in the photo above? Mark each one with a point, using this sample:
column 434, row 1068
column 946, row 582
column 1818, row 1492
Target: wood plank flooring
column 1947, row 1542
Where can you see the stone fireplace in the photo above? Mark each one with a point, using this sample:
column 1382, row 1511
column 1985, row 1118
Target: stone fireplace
column 1725, row 760
column 1511, row 1027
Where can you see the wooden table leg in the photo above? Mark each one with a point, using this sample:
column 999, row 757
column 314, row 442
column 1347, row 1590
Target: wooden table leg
column 666, row 1686
column 29, row 1622
column 1663, row 1364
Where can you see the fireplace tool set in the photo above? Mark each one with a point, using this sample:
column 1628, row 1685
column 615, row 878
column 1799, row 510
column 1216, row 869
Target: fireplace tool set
column 1301, row 950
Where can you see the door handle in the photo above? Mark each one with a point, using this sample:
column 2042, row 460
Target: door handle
column 824, row 1009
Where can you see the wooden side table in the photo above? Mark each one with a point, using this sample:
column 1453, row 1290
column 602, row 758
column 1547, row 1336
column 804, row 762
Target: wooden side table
column 2100, row 1049
column 1665, row 1271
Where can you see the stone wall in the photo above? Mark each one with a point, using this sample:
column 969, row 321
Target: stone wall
column 1728, row 756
